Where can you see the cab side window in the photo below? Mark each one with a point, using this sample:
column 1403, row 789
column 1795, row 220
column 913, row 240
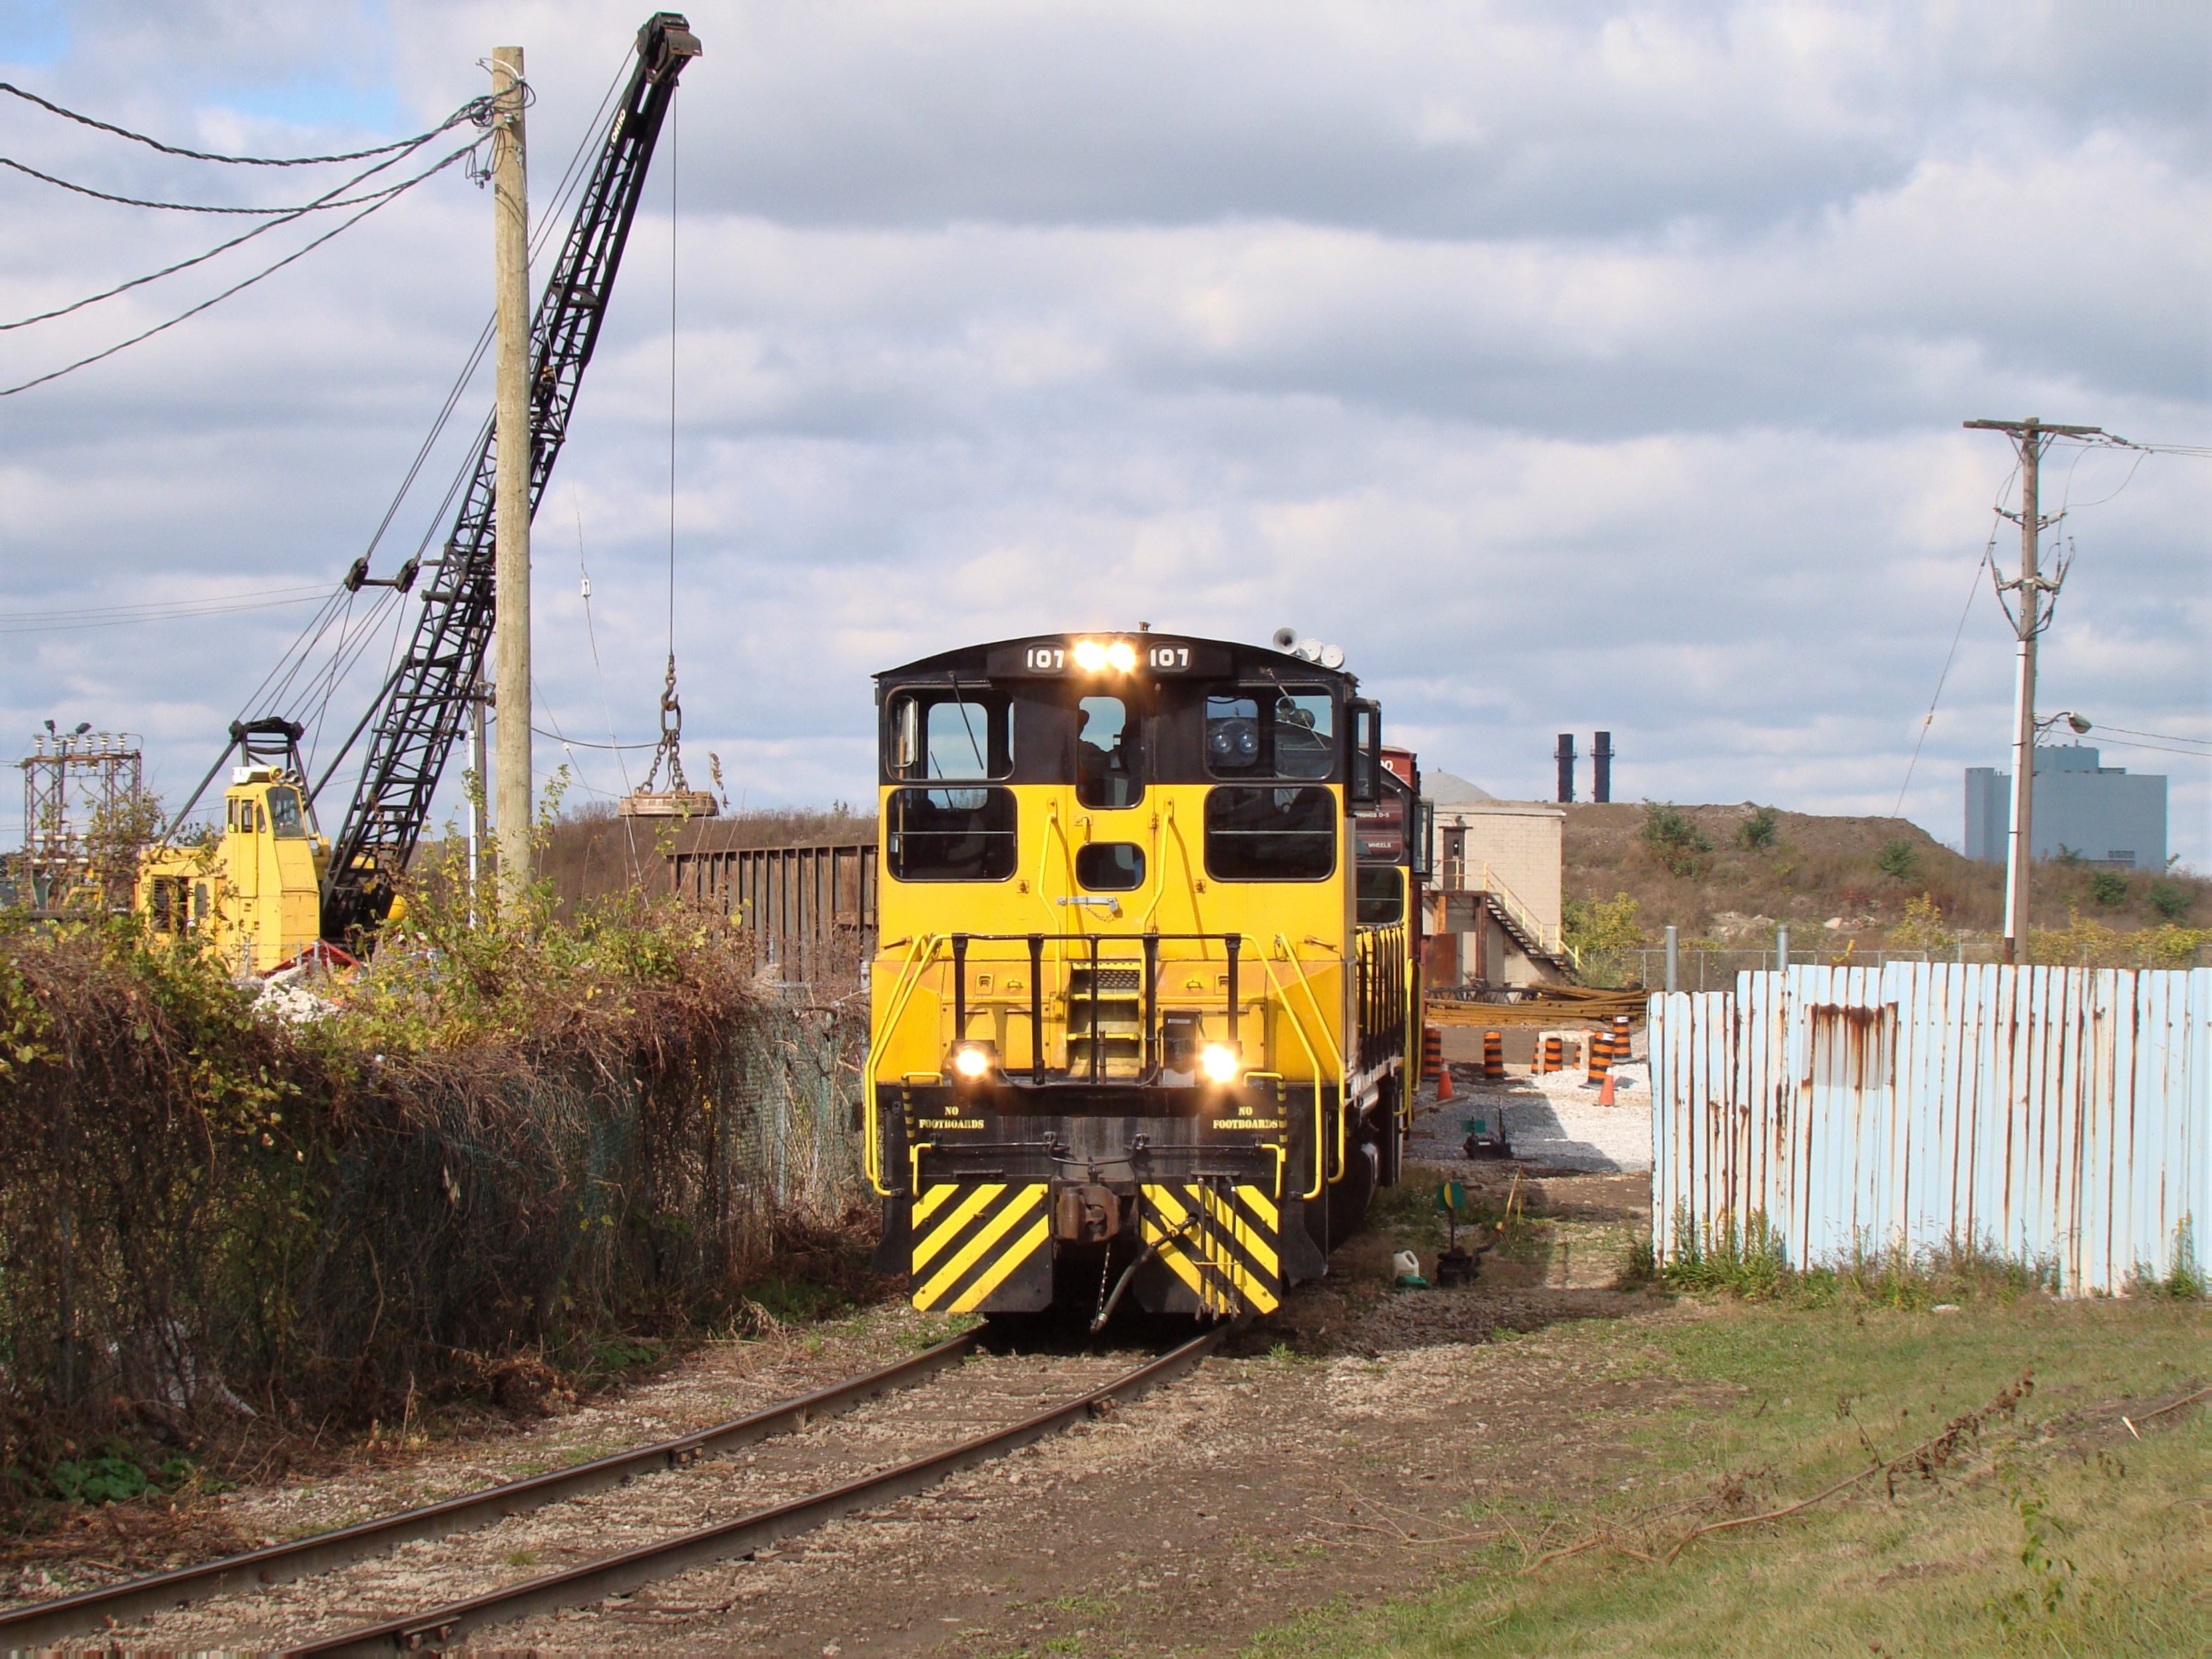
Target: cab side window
column 961, row 735
column 1380, row 898
column 951, row 835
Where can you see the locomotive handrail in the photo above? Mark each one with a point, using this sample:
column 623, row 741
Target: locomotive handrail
column 919, row 954
column 1170, row 827
column 1320, row 1126
column 1067, row 856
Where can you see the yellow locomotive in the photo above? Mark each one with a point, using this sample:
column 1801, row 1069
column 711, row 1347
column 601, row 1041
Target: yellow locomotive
column 1139, row 1018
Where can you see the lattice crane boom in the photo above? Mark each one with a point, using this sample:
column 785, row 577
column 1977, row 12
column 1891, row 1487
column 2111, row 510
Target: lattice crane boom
column 424, row 707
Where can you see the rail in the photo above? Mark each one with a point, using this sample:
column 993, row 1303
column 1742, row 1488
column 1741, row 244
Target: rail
column 619, row 1575
column 46, row 1624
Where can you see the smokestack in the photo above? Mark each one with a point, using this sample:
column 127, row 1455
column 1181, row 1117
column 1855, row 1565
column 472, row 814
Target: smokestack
column 1565, row 756
column 1602, row 767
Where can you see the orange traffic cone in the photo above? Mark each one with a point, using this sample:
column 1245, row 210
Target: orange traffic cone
column 1605, row 1094
column 1444, row 1086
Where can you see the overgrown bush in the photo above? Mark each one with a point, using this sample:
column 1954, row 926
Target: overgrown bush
column 1601, row 923
column 495, row 1148
column 1672, row 837
column 2172, row 902
column 2108, row 887
column 1923, row 928
column 1760, row 830
column 1897, row 860
column 2086, row 942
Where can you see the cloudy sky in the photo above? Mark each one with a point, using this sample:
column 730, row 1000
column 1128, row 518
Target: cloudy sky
column 1572, row 365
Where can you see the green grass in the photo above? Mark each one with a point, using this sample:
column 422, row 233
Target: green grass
column 2055, row 1530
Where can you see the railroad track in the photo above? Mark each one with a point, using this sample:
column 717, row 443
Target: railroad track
column 675, row 1477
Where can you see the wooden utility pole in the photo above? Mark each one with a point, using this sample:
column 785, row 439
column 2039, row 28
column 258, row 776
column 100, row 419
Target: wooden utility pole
column 2033, row 593
column 511, row 815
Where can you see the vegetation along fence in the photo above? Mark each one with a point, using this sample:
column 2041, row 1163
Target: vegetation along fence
column 2058, row 1116
column 208, row 1216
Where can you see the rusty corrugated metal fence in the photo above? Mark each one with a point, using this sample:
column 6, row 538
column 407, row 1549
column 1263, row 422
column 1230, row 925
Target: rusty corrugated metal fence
column 2061, row 1117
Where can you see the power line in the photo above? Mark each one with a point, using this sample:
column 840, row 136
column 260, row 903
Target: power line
column 2122, row 743
column 384, row 200
column 2162, row 737
column 474, row 109
column 320, row 204
column 56, row 621
column 222, row 247
column 578, row 743
column 1973, row 586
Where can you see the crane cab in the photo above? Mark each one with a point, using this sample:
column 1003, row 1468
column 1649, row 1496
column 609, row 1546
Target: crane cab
column 252, row 893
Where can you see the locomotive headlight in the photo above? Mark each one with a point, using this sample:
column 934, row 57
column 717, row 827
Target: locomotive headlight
column 1090, row 655
column 1122, row 656
column 1220, row 1062
column 971, row 1060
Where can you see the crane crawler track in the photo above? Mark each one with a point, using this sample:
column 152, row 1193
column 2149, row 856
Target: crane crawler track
column 47, row 1622
column 619, row 1574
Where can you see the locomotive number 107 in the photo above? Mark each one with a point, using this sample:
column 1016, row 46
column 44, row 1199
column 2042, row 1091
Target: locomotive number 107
column 1053, row 658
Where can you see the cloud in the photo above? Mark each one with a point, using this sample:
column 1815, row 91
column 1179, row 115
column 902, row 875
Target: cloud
column 1597, row 367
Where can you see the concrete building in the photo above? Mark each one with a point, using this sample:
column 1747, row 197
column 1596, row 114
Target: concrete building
column 2101, row 814
column 1494, row 904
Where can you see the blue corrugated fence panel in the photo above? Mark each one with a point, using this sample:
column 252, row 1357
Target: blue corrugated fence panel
column 2062, row 1116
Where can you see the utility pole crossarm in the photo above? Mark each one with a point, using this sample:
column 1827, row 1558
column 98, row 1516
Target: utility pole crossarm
column 2031, row 424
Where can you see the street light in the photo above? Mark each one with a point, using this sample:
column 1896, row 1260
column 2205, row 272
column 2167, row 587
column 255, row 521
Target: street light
column 2079, row 723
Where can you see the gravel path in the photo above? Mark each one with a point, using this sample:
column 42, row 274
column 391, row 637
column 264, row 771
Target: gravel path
column 1552, row 1123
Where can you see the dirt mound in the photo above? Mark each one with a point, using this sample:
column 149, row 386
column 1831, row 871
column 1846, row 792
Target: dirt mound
column 1731, row 873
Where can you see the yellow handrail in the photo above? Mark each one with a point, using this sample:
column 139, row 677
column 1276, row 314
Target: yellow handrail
column 1059, row 914
column 1343, row 1073
column 1546, row 937
column 919, row 955
column 1297, row 1025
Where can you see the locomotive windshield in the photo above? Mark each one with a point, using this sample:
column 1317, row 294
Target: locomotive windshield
column 1270, row 732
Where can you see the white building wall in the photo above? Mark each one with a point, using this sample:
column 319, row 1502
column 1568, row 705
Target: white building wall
column 1524, row 844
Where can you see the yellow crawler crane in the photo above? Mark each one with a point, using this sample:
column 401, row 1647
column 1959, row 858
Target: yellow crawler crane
column 252, row 894
column 1139, row 1019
